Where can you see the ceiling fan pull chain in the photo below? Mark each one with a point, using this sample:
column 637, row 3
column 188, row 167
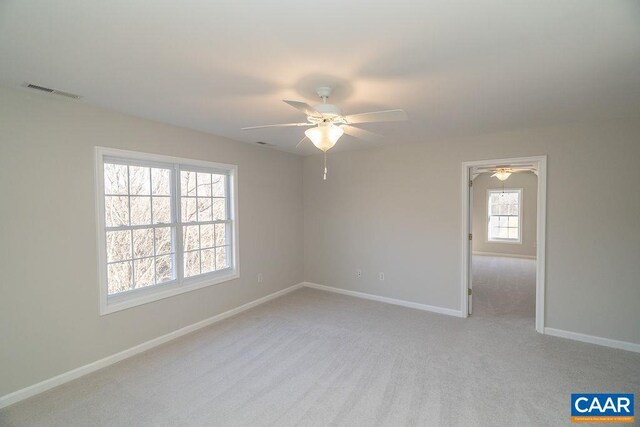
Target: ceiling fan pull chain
column 325, row 166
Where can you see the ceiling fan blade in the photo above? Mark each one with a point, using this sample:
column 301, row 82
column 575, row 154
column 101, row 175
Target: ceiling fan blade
column 284, row 125
column 301, row 141
column 377, row 116
column 361, row 133
column 304, row 107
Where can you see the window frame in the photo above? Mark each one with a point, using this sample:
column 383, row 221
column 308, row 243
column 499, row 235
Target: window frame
column 132, row 298
column 491, row 239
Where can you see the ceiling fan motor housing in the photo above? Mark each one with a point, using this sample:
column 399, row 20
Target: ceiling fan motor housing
column 324, row 91
column 328, row 110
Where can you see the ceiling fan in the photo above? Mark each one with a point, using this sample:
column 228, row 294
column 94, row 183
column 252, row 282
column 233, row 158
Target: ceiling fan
column 504, row 172
column 327, row 123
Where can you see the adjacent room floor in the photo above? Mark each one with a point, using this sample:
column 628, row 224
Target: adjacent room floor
column 505, row 287
column 317, row 358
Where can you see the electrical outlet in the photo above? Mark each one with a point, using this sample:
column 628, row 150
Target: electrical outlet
column 358, row 274
column 259, row 277
column 381, row 276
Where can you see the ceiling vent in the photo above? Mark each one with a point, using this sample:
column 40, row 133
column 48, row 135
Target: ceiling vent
column 53, row 91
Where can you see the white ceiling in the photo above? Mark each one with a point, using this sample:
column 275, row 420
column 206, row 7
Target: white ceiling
column 456, row 67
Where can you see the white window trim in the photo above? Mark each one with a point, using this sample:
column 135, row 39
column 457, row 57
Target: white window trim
column 114, row 303
column 520, row 202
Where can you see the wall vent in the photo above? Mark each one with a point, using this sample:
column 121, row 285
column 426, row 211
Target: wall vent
column 53, row 91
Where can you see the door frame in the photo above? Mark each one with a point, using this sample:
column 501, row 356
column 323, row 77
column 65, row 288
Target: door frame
column 541, row 230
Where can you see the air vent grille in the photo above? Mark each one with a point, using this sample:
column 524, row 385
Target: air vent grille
column 53, row 91
column 42, row 88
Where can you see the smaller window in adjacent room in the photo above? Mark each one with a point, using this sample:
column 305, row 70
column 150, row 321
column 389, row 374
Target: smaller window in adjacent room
column 505, row 219
column 166, row 226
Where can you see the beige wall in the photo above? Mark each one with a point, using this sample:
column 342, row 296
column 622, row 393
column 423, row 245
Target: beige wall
column 49, row 320
column 528, row 182
column 398, row 209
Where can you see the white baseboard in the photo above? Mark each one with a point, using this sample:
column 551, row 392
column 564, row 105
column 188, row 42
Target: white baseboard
column 622, row 345
column 403, row 303
column 65, row 377
column 504, row 255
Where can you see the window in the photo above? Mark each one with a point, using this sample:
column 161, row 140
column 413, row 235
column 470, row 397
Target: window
column 166, row 226
column 203, row 198
column 504, row 208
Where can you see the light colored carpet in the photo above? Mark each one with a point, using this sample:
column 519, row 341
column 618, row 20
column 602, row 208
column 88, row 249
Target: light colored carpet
column 505, row 288
column 313, row 358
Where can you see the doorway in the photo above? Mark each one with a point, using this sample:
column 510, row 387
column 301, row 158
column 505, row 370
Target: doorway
column 505, row 226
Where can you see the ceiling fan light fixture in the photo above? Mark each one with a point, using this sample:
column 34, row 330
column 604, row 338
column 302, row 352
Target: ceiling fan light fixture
column 502, row 175
column 325, row 135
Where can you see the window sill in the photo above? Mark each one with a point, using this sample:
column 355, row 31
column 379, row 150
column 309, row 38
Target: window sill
column 142, row 296
column 510, row 242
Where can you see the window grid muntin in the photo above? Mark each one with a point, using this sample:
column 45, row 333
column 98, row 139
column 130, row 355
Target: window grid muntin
column 226, row 246
column 134, row 258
